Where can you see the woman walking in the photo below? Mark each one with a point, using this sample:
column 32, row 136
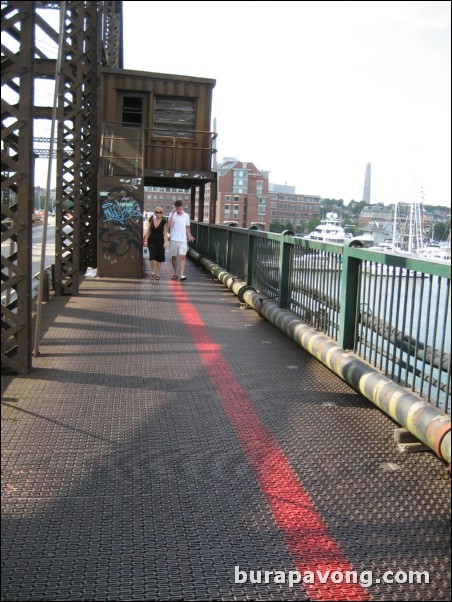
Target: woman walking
column 155, row 239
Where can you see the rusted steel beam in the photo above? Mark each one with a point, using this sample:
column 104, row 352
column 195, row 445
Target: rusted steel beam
column 17, row 183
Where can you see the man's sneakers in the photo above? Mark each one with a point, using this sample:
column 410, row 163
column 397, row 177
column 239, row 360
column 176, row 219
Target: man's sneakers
column 183, row 278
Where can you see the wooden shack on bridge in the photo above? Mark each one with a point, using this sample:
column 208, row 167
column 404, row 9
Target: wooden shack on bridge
column 156, row 131
column 157, row 126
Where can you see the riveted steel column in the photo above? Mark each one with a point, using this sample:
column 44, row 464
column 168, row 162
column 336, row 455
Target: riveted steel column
column 18, row 20
column 70, row 120
column 78, row 134
column 90, row 138
column 112, row 33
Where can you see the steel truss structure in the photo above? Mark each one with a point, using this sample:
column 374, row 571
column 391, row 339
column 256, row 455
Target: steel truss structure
column 90, row 38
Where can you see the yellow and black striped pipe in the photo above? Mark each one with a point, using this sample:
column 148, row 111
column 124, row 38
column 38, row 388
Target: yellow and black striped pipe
column 426, row 422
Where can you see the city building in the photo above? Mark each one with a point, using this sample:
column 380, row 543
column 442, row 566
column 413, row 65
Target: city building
column 375, row 213
column 296, row 209
column 242, row 194
column 284, row 188
column 165, row 197
column 246, row 198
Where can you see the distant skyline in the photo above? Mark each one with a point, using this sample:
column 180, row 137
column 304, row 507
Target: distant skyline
column 314, row 91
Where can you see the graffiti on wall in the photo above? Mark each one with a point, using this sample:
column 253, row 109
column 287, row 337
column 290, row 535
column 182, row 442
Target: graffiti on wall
column 121, row 222
column 121, row 212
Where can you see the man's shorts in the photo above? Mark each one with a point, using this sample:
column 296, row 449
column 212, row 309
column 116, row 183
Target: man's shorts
column 177, row 248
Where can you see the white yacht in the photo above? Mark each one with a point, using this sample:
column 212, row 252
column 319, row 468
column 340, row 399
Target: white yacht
column 329, row 230
column 436, row 253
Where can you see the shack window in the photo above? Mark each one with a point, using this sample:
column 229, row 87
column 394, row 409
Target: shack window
column 174, row 117
column 132, row 111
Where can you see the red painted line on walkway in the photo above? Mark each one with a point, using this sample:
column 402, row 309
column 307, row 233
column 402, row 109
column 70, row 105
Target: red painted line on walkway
column 307, row 537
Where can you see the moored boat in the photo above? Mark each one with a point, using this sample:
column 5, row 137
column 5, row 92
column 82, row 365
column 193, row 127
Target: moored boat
column 330, row 231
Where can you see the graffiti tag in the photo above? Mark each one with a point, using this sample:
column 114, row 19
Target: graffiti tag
column 121, row 211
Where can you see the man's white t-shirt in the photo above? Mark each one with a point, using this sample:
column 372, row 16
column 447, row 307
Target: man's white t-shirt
column 179, row 227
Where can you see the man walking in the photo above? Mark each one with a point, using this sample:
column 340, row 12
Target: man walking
column 179, row 226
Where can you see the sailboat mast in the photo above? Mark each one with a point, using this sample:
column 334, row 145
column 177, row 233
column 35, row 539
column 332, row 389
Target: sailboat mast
column 394, row 226
column 412, row 227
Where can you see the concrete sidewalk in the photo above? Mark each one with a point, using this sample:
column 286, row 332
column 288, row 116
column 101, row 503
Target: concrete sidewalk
column 167, row 436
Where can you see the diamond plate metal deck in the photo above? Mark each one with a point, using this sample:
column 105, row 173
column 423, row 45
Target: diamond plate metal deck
column 123, row 478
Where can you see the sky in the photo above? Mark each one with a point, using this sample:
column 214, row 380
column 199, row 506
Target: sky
column 314, row 91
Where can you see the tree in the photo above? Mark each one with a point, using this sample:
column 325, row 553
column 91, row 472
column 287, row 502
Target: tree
column 332, row 204
column 276, row 227
column 441, row 231
column 355, row 208
column 312, row 224
column 280, row 227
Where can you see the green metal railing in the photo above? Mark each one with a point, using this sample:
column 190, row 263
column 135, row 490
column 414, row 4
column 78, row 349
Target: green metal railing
column 392, row 311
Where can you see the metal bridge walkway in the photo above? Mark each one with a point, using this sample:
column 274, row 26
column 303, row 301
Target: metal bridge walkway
column 169, row 444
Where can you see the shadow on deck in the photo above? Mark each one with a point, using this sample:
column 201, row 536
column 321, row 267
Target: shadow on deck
column 169, row 441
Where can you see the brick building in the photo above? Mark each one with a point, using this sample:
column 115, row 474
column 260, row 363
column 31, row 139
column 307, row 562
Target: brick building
column 246, row 197
column 298, row 209
column 165, row 197
column 242, row 195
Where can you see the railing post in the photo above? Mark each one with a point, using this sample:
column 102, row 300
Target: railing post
column 349, row 299
column 210, row 241
column 251, row 256
column 229, row 247
column 284, row 262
